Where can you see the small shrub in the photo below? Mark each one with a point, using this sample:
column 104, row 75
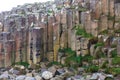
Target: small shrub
column 93, row 68
column 116, row 71
column 53, row 63
column 114, row 53
column 83, row 33
column 116, row 61
column 104, row 65
column 88, row 58
column 26, row 64
column 82, row 9
column 98, row 44
column 108, row 70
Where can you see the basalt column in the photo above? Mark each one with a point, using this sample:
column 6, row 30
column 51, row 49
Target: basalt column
column 37, row 36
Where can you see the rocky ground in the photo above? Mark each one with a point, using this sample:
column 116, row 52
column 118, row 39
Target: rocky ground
column 54, row 72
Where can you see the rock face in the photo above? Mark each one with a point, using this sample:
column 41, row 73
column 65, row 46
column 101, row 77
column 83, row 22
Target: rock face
column 37, row 44
column 35, row 32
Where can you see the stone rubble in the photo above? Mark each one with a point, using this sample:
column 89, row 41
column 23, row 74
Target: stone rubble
column 47, row 75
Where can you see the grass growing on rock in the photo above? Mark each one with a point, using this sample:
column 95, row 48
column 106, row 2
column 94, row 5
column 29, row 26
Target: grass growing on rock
column 104, row 32
column 26, row 64
column 116, row 61
column 99, row 44
column 82, row 32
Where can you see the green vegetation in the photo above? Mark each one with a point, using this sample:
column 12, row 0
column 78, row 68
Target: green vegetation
column 26, row 64
column 117, row 31
column 82, row 9
column 72, row 7
column 50, row 11
column 88, row 58
column 104, row 32
column 72, row 60
column 115, row 71
column 92, row 68
column 118, row 21
column 111, row 17
column 104, row 65
column 114, row 53
column 99, row 44
column 59, row 8
column 82, row 32
column 116, row 61
column 108, row 70
column 54, row 63
column 67, row 51
column 101, row 55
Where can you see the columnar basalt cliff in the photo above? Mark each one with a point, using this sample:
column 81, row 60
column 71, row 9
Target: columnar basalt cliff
column 41, row 32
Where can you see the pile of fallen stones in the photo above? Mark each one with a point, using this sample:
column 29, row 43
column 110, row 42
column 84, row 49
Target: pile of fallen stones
column 51, row 73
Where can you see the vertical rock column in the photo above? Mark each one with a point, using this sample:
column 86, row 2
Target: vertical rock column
column 118, row 47
column 37, row 35
column 56, row 40
column 50, row 53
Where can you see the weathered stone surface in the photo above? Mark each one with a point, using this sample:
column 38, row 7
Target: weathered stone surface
column 29, row 74
column 117, row 11
column 94, row 28
column 39, row 30
column 118, row 47
column 96, row 6
column 38, row 77
column 52, row 69
column 112, row 7
column 42, row 65
column 104, row 4
column 37, row 44
column 87, row 24
column 103, row 23
column 110, row 24
column 50, row 56
column 92, row 49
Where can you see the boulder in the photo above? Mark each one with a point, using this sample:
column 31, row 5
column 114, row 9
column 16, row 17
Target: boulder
column 21, row 77
column 59, row 71
column 33, row 66
column 47, row 75
column 38, row 77
column 67, row 74
column 42, row 65
column 63, row 60
column 13, row 71
column 29, row 74
column 4, row 76
column 52, row 69
column 22, row 67
column 78, row 77
column 42, row 70
column 30, row 78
